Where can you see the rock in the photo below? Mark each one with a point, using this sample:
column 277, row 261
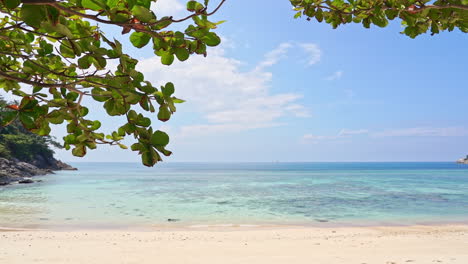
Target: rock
column 321, row 220
column 463, row 161
column 50, row 163
column 15, row 170
column 63, row 166
column 26, row 181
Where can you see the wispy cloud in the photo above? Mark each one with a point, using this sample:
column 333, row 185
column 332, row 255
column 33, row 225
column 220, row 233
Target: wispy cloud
column 403, row 132
column 313, row 51
column 348, row 132
column 313, row 54
column 335, row 76
column 311, row 138
column 424, row 132
column 228, row 98
column 272, row 57
column 167, row 7
column 344, row 133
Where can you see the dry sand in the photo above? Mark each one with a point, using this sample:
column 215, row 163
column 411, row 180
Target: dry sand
column 386, row 245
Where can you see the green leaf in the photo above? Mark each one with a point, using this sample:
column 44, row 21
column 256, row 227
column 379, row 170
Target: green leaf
column 112, row 3
column 93, row 4
column 99, row 62
column 72, row 96
column 7, row 117
column 164, row 114
column 167, row 58
column 143, row 121
column 96, row 125
column 159, row 138
column 27, row 120
column 79, row 151
column 319, row 15
column 55, row 117
column 142, row 13
column 149, row 158
column 139, row 39
column 177, row 100
column 64, row 30
column 164, row 151
column 33, row 15
column 211, row 39
column 194, row 6
column 44, row 130
column 11, row 4
column 53, row 14
column 122, row 146
column 137, row 147
column 67, row 52
column 168, row 90
column 182, row 54
column 84, row 62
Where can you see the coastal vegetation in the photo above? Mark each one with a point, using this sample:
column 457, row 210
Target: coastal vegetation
column 24, row 154
column 16, row 142
column 58, row 49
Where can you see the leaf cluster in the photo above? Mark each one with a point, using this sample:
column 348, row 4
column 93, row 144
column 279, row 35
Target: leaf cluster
column 58, row 49
column 417, row 16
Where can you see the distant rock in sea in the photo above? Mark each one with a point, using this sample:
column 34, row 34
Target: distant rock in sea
column 14, row 170
column 463, row 161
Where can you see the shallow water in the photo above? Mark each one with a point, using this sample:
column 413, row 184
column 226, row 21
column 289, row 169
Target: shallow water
column 107, row 195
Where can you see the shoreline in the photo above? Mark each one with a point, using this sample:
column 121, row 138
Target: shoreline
column 388, row 245
column 223, row 226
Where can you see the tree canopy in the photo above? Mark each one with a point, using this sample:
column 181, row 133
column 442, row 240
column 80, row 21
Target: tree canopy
column 418, row 16
column 53, row 53
column 58, row 49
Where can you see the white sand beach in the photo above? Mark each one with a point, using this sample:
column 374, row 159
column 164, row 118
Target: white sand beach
column 386, row 245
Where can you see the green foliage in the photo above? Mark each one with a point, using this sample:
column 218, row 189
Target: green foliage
column 417, row 17
column 17, row 142
column 4, row 151
column 58, row 49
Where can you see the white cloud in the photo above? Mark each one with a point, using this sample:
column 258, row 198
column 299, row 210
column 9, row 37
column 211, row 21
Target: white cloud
column 274, row 56
column 228, row 98
column 167, row 7
column 343, row 134
column 335, row 76
column 201, row 130
column 313, row 137
column 404, row 132
column 350, row 94
column 348, row 132
column 424, row 132
column 313, row 51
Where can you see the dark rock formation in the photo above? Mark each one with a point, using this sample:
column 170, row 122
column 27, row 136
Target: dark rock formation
column 18, row 171
column 463, row 161
column 26, row 181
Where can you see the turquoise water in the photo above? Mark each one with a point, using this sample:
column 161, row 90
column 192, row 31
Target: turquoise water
column 126, row 194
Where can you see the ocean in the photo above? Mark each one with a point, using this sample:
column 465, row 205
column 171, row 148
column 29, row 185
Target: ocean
column 128, row 195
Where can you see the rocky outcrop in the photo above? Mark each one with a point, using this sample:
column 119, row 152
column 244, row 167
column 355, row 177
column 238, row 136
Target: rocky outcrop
column 21, row 172
column 463, row 161
column 50, row 164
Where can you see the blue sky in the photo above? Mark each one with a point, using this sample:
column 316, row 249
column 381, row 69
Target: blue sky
column 280, row 89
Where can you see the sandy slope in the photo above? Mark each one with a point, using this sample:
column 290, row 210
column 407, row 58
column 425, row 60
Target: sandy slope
column 387, row 245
